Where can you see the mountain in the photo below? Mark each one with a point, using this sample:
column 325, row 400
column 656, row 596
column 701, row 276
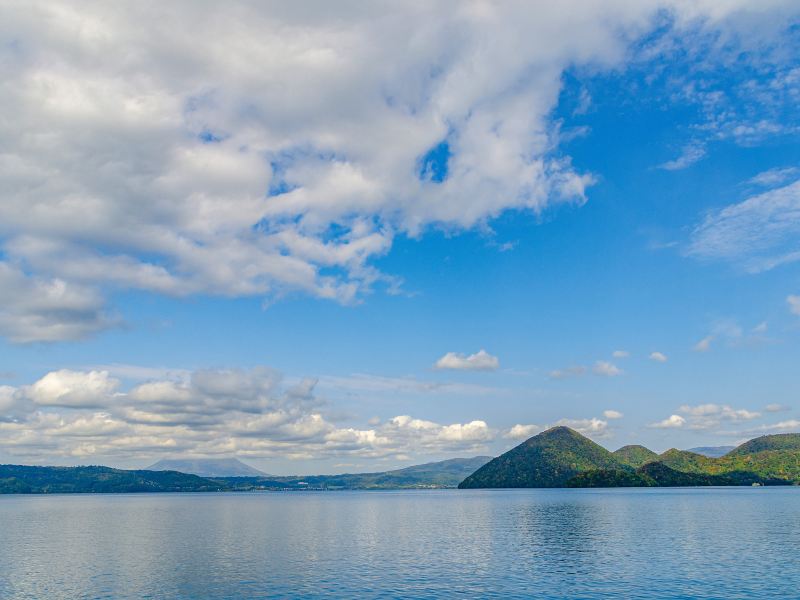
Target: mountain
column 548, row 459
column 606, row 478
column 441, row 474
column 777, row 442
column 634, row 455
column 16, row 479
column 712, row 451
column 685, row 461
column 561, row 457
column 208, row 467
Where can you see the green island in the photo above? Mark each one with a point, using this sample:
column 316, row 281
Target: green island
column 562, row 457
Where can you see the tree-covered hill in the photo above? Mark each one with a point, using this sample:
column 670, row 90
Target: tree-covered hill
column 634, row 455
column 561, row 457
column 16, row 479
column 780, row 441
column 549, row 459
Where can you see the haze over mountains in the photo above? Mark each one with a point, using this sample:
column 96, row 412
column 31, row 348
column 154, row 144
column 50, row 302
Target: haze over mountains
column 208, row 467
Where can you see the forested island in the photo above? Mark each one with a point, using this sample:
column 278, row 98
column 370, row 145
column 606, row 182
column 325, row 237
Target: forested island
column 562, row 457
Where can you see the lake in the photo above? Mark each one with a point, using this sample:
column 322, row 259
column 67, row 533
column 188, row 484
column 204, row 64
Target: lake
column 619, row 543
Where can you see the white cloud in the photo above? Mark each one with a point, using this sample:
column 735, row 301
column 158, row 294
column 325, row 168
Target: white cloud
column 142, row 158
column 775, row 407
column 788, row 426
column 690, row 154
column 569, row 372
column 594, row 427
column 658, row 357
column 620, row 354
column 36, row 309
column 612, row 414
column 704, row 345
column 522, row 432
column 794, row 304
column 773, row 177
column 209, row 412
column 480, row 361
column 710, row 415
column 73, row 389
column 759, row 233
column 606, row 369
column 671, row 422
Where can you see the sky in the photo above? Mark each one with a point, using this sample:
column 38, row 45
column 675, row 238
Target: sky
column 341, row 237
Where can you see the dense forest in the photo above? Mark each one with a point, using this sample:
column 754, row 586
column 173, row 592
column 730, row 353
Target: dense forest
column 562, row 457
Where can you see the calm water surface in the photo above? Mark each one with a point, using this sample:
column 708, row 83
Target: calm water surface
column 677, row 543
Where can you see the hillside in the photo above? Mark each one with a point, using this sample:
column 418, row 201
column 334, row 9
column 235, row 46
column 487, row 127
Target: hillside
column 208, row 467
column 634, row 455
column 686, row 462
column 15, row 479
column 561, row 457
column 441, row 474
column 548, row 459
column 777, row 442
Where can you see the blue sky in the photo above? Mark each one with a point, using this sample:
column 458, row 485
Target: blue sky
column 293, row 264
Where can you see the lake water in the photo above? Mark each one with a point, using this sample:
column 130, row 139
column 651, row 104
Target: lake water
column 645, row 543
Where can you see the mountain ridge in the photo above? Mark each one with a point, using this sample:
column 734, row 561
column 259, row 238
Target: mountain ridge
column 562, row 457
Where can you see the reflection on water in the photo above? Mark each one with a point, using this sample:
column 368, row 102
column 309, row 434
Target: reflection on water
column 689, row 543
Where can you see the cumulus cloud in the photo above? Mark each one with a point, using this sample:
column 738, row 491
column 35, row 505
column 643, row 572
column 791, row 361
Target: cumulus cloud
column 671, row 422
column 775, row 407
column 606, row 369
column 705, row 416
column 594, row 427
column 67, row 388
column 47, row 309
column 620, row 354
column 759, row 233
column 719, row 410
column 287, row 150
column 612, row 414
column 522, row 432
column 480, row 361
column 247, row 412
column 658, row 357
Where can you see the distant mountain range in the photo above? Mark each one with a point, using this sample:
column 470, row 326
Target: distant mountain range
column 208, row 467
column 162, row 477
column 562, row 457
column 442, row 474
column 17, row 479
